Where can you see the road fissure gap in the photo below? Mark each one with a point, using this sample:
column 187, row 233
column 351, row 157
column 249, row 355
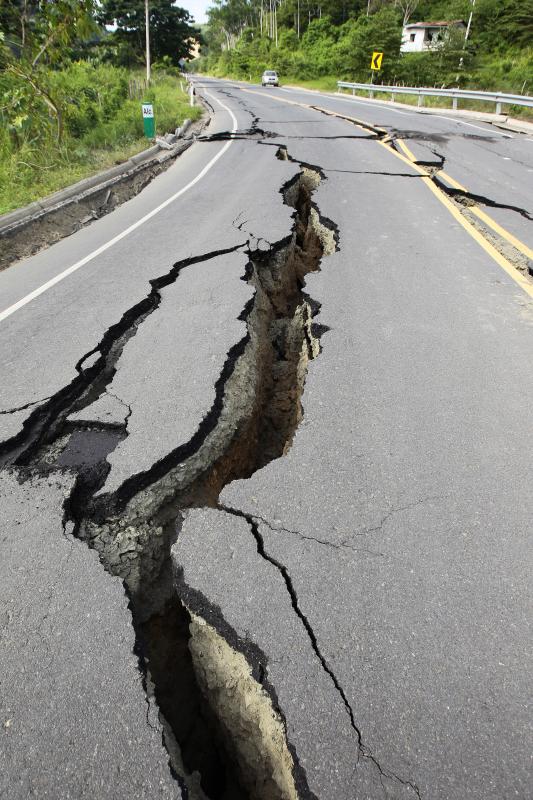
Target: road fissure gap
column 281, row 339
column 269, row 366
column 462, row 198
column 48, row 422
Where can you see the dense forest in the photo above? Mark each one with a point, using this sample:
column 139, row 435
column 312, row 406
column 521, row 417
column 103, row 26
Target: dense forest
column 72, row 78
column 319, row 39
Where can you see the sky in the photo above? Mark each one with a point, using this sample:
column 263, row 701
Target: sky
column 197, row 8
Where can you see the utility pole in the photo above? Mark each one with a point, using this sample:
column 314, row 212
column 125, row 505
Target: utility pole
column 467, row 34
column 147, row 26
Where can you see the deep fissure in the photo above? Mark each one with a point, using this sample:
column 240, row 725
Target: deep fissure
column 281, row 320
column 282, row 337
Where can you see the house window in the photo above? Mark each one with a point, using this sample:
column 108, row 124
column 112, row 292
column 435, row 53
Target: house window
column 412, row 37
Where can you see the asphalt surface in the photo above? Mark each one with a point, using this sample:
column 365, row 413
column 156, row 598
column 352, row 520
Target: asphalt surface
column 380, row 567
column 196, row 322
column 75, row 721
column 494, row 164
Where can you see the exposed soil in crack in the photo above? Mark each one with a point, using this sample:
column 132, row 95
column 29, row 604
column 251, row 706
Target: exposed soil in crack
column 253, row 420
column 282, row 569
column 471, row 198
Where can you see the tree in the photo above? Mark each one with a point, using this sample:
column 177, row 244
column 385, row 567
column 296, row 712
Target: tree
column 227, row 21
column 516, row 22
column 359, row 38
column 170, row 29
column 407, row 7
column 37, row 35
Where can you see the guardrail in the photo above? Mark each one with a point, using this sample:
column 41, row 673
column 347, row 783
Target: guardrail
column 455, row 94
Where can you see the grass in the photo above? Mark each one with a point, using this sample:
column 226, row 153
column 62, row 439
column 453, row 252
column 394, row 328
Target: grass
column 325, row 84
column 33, row 169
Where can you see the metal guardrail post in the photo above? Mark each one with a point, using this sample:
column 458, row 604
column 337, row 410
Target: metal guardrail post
column 499, row 98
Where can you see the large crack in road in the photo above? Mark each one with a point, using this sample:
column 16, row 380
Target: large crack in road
column 463, row 199
column 187, row 658
column 256, row 411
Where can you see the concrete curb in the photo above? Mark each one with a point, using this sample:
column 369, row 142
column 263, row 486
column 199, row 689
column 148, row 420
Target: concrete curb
column 82, row 188
column 27, row 230
column 518, row 125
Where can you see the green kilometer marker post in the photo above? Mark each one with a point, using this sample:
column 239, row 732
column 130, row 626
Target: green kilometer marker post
column 148, row 120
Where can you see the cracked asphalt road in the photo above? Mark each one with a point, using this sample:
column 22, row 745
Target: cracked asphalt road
column 70, row 688
column 377, row 575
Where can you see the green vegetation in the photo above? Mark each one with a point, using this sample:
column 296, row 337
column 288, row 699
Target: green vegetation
column 334, row 39
column 170, row 30
column 68, row 108
column 102, row 127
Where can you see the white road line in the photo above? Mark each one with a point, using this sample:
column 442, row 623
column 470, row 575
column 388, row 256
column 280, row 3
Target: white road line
column 407, row 113
column 479, row 128
column 52, row 282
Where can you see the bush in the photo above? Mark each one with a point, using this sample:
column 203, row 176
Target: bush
column 102, row 125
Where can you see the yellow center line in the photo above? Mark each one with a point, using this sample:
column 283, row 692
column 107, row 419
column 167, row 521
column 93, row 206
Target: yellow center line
column 357, row 122
column 452, row 181
column 409, row 153
column 505, row 234
column 409, row 159
column 482, row 215
column 489, row 248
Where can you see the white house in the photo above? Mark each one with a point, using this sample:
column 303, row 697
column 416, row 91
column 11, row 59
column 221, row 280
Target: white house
column 420, row 36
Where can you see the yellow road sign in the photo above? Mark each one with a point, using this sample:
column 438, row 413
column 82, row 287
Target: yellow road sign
column 377, row 58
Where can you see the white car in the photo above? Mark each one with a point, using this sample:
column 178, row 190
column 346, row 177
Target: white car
column 270, row 78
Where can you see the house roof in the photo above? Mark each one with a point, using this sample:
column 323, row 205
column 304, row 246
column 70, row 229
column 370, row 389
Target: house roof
column 445, row 24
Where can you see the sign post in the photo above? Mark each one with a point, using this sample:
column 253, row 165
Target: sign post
column 148, row 120
column 375, row 66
